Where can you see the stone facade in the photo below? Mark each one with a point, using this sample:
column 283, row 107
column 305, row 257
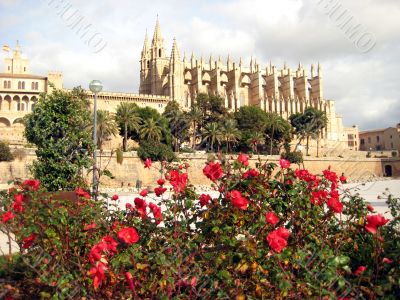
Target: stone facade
column 386, row 139
column 164, row 78
column 285, row 91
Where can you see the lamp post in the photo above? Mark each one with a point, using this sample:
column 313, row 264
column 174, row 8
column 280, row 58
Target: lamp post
column 95, row 87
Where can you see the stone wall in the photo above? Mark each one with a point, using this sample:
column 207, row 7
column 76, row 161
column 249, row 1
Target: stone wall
column 131, row 169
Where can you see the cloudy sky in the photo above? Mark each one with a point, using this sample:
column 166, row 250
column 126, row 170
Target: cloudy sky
column 361, row 72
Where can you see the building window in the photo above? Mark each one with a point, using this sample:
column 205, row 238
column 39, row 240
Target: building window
column 391, row 145
column 377, row 138
column 159, row 52
column 362, row 141
column 20, row 107
column 24, row 69
column 8, row 68
column 36, row 85
column 391, row 137
column 369, row 140
column 33, row 106
column 148, row 64
column 9, row 84
column 19, row 85
column 5, row 84
column 23, row 85
column 32, row 86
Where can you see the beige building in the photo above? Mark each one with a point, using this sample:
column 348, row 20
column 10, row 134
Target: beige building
column 164, row 78
column 386, row 139
column 285, row 91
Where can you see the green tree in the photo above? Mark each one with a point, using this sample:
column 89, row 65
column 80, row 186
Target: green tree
column 251, row 118
column 277, row 130
column 212, row 134
column 179, row 123
column 128, row 119
column 106, row 127
column 255, row 139
column 231, row 134
column 319, row 121
column 196, row 118
column 60, row 128
column 150, row 130
column 5, row 152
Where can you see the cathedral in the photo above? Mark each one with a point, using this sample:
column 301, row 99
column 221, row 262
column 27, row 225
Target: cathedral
column 284, row 91
column 165, row 78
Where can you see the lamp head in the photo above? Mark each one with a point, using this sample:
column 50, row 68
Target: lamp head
column 96, row 86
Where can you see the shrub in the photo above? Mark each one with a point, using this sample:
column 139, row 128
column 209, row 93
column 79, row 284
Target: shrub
column 155, row 151
column 295, row 157
column 5, row 152
column 270, row 233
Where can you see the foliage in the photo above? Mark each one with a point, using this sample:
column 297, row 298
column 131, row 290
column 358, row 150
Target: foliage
column 106, row 127
column 128, row 120
column 5, row 152
column 295, row 157
column 119, row 155
column 60, row 129
column 155, row 151
column 266, row 232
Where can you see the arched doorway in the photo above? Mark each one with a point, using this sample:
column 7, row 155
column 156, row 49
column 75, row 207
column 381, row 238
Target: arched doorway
column 388, row 171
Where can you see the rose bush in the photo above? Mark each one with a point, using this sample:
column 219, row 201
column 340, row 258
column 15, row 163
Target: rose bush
column 267, row 231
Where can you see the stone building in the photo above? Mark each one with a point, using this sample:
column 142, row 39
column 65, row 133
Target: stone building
column 164, row 78
column 386, row 139
column 285, row 91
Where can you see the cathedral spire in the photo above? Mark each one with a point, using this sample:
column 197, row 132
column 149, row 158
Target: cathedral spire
column 146, row 46
column 157, row 37
column 175, row 52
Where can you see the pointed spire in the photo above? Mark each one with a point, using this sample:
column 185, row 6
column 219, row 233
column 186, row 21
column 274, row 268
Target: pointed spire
column 229, row 61
column 284, row 65
column 175, row 52
column 184, row 56
column 319, row 70
column 240, row 62
column 17, row 51
column 312, row 70
column 300, row 66
column 146, row 45
column 157, row 37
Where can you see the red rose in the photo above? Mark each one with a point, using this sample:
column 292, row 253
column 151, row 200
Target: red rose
column 82, row 193
column 343, row 179
column 159, row 191
column 147, row 163
column 17, row 206
column 129, row 279
column 204, row 199
column 250, row 173
column 335, row 205
column 160, row 181
column 329, row 175
column 359, row 270
column 318, row 197
column 144, row 193
column 370, row 208
column 28, row 241
column 31, row 184
column 19, row 197
column 90, row 226
column 178, row 180
column 237, row 199
column 375, row 221
column 285, row 164
column 128, row 206
column 243, row 159
column 156, row 212
column 213, row 171
column 97, row 272
column 7, row 216
column 129, row 235
column 271, row 218
column 141, row 205
column 115, row 198
column 277, row 239
column 110, row 243
column 387, row 260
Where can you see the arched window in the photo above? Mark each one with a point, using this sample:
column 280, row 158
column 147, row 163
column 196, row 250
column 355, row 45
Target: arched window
column 33, row 106
column 23, row 85
column 5, row 84
column 148, row 64
column 19, row 85
column 159, row 52
column 36, row 85
column 32, row 86
column 9, row 84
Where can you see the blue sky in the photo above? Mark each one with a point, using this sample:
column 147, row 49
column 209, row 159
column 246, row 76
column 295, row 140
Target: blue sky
column 365, row 86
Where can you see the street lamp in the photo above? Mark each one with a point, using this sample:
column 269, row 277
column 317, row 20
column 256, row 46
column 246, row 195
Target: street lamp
column 95, row 87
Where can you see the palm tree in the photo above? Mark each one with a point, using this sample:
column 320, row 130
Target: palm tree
column 319, row 122
column 230, row 133
column 256, row 138
column 150, row 130
column 212, row 133
column 128, row 119
column 106, row 127
column 196, row 117
column 275, row 123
